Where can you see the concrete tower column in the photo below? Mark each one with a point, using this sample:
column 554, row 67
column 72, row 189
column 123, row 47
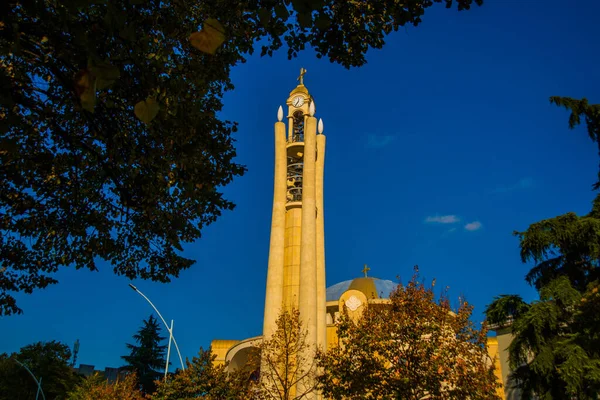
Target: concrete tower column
column 308, row 269
column 321, row 287
column 274, row 292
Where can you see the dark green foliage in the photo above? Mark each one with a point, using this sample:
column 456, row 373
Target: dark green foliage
column 555, row 353
column 78, row 186
column 567, row 245
column 591, row 116
column 504, row 308
column 110, row 144
column 48, row 361
column 147, row 358
column 203, row 379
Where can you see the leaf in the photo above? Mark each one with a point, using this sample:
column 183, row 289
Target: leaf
column 264, row 16
column 85, row 87
column 209, row 38
column 146, row 110
column 105, row 74
column 281, row 11
column 304, row 19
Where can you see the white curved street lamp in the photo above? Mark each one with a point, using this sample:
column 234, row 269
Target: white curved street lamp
column 39, row 383
column 169, row 329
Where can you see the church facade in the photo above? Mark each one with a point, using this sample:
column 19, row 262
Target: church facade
column 296, row 264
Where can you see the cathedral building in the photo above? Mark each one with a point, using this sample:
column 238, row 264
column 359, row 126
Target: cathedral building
column 296, row 263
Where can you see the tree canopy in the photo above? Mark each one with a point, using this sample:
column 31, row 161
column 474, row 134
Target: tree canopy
column 413, row 348
column 555, row 350
column 96, row 387
column 202, row 378
column 147, row 358
column 590, row 113
column 111, row 147
column 284, row 366
column 48, row 361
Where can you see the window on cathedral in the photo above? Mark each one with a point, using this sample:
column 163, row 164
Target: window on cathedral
column 298, row 127
column 294, row 179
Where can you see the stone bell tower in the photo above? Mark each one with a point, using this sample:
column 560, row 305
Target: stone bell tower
column 296, row 269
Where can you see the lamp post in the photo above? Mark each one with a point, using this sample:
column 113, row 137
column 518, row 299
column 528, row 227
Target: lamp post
column 39, row 382
column 169, row 329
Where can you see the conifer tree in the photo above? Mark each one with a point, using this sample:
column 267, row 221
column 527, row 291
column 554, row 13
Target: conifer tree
column 555, row 352
column 147, row 357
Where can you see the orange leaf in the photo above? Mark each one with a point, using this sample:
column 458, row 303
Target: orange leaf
column 210, row 37
column 85, row 87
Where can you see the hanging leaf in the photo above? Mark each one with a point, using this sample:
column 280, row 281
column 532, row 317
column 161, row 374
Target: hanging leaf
column 85, row 87
column 146, row 110
column 209, row 38
column 264, row 16
column 304, row 19
column 105, row 74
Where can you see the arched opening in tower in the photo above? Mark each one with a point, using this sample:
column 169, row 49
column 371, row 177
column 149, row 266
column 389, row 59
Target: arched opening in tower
column 298, row 125
column 295, row 160
column 294, row 179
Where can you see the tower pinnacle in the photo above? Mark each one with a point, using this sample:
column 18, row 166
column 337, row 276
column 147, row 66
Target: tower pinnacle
column 365, row 270
column 301, row 77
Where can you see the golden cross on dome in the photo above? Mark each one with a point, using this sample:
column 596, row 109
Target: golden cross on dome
column 365, row 270
column 301, row 77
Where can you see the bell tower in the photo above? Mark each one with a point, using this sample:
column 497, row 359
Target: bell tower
column 296, row 267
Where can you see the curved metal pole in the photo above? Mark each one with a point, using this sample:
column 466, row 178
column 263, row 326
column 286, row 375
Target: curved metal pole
column 39, row 383
column 169, row 350
column 164, row 322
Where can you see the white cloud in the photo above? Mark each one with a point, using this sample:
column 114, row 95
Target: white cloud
column 379, row 141
column 442, row 219
column 473, row 226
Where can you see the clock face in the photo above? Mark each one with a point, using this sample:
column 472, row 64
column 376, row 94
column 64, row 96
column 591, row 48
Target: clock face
column 298, row 101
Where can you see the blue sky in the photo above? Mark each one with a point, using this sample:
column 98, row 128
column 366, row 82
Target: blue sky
column 437, row 150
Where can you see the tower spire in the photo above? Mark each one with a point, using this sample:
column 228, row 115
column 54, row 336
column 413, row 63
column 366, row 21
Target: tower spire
column 296, row 266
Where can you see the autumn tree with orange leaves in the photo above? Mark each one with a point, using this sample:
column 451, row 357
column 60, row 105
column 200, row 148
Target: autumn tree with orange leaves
column 96, row 387
column 413, row 347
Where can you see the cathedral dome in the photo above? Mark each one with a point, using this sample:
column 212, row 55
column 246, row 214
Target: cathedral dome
column 372, row 288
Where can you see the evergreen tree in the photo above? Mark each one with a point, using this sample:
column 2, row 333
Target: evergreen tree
column 147, row 358
column 555, row 352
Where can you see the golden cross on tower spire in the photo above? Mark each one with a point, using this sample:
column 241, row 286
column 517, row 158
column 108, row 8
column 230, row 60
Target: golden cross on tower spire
column 365, row 270
column 301, row 77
